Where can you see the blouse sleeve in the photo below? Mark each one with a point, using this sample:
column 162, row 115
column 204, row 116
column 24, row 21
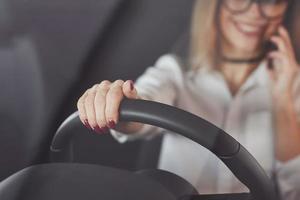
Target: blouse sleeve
column 158, row 83
column 289, row 179
column 288, row 173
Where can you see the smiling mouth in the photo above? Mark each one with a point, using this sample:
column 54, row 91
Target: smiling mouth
column 250, row 30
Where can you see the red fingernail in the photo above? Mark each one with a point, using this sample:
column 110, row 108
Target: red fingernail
column 105, row 129
column 131, row 85
column 99, row 129
column 111, row 124
column 87, row 124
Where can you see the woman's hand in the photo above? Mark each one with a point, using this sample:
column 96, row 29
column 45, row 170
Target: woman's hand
column 286, row 68
column 285, row 65
column 99, row 106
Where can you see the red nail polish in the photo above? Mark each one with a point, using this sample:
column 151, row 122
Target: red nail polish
column 98, row 129
column 111, row 124
column 131, row 85
column 87, row 125
column 105, row 129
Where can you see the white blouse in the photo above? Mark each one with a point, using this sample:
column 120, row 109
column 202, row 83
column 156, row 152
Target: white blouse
column 247, row 117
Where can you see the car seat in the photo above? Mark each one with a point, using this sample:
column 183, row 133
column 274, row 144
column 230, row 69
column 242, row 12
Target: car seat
column 51, row 51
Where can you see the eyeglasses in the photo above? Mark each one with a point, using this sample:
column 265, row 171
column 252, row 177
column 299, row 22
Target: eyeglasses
column 270, row 9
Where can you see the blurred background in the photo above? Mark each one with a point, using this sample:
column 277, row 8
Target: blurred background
column 52, row 51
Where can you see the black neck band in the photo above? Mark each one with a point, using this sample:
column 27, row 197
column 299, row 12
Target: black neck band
column 242, row 60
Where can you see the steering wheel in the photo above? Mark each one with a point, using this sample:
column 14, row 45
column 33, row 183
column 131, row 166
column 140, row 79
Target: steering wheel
column 83, row 181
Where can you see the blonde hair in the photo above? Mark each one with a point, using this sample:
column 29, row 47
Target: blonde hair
column 203, row 42
column 204, row 50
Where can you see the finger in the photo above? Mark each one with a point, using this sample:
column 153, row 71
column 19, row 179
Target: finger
column 89, row 107
column 286, row 37
column 279, row 61
column 113, row 99
column 129, row 90
column 277, row 55
column 279, row 42
column 100, row 104
column 81, row 109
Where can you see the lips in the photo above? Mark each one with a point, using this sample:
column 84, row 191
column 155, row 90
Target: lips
column 249, row 30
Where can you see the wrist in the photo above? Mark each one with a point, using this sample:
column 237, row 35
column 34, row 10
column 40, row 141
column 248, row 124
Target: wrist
column 283, row 102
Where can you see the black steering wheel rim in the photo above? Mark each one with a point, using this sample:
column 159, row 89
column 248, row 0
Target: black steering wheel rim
column 242, row 164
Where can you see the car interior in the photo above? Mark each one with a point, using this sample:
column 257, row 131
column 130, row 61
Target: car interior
column 48, row 61
column 52, row 51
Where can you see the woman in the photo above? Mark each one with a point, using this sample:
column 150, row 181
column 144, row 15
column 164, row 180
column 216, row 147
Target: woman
column 234, row 80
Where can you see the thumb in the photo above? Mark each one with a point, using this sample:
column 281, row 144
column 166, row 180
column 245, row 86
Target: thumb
column 129, row 90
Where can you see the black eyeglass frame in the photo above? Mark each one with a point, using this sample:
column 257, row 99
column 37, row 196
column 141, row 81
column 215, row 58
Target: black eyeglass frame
column 259, row 2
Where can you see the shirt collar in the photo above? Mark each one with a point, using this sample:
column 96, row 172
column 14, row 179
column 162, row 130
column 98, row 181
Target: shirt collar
column 258, row 78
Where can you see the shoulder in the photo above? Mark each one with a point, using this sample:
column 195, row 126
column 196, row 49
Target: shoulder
column 169, row 65
column 168, row 60
column 179, row 68
column 166, row 70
